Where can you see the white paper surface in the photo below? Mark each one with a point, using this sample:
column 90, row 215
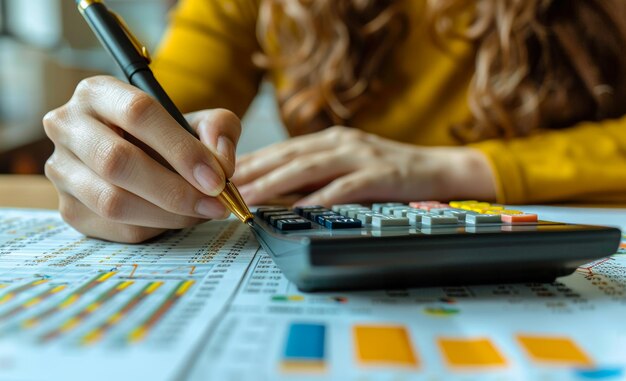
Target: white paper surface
column 234, row 322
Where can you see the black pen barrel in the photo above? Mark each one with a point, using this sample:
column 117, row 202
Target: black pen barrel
column 144, row 79
column 111, row 34
column 134, row 65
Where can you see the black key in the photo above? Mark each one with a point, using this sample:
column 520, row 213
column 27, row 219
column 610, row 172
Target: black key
column 303, row 210
column 343, row 223
column 307, row 213
column 273, row 219
column 316, row 216
column 322, row 219
column 293, row 224
column 267, row 215
column 266, row 209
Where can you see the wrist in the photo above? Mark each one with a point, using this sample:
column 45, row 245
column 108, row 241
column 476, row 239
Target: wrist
column 467, row 174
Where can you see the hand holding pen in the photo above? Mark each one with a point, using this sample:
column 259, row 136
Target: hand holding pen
column 110, row 140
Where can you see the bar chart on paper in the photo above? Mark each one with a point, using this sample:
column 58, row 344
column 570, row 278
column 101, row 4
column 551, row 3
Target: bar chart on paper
column 98, row 308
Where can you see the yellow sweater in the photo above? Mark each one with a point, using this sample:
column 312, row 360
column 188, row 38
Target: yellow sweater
column 205, row 62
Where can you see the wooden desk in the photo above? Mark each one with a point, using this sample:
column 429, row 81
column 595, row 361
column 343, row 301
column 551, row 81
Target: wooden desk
column 21, row 191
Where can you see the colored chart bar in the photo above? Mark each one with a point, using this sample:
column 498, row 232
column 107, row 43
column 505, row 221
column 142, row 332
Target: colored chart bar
column 68, row 301
column 16, row 291
column 80, row 317
column 98, row 333
column 304, row 348
column 384, row 345
column 473, row 353
column 142, row 330
column 554, row 350
column 32, row 302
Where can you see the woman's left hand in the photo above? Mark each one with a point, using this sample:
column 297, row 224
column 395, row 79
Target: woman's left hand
column 348, row 165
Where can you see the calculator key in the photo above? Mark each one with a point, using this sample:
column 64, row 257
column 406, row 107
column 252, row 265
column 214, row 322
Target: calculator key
column 415, row 217
column 336, row 208
column 365, row 217
column 459, row 214
column 380, row 221
column 474, row 219
column 262, row 210
column 439, row 210
column 314, row 216
column 513, row 218
column 401, row 212
column 321, row 219
column 388, row 210
column 352, row 212
column 342, row 223
column 273, row 219
column 302, row 209
column 439, row 220
column 307, row 213
column 293, row 224
column 506, row 211
column 377, row 208
column 267, row 215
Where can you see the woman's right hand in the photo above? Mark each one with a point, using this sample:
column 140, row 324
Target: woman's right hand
column 110, row 188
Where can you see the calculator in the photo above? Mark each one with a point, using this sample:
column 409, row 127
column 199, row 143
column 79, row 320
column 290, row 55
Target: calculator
column 423, row 243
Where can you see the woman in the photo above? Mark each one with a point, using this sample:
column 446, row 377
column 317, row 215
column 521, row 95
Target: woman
column 517, row 101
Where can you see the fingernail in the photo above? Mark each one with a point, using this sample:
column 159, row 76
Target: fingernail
column 210, row 208
column 210, row 182
column 226, row 148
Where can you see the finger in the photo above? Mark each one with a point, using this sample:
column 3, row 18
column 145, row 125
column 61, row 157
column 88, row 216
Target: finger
column 301, row 172
column 260, row 163
column 119, row 162
column 90, row 224
column 364, row 185
column 140, row 115
column 109, row 201
column 219, row 129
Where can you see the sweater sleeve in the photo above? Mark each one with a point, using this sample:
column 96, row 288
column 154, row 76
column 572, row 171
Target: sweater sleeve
column 205, row 57
column 584, row 163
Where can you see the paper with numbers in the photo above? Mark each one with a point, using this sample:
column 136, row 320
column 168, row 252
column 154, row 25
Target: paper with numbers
column 207, row 304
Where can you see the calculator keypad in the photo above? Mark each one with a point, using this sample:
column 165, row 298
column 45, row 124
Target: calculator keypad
column 417, row 214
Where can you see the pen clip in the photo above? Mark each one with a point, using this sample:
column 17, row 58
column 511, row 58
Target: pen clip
column 141, row 48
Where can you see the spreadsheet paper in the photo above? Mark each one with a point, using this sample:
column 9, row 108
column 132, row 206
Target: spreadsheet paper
column 207, row 303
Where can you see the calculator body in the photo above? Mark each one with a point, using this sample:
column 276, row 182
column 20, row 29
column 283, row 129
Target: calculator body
column 383, row 257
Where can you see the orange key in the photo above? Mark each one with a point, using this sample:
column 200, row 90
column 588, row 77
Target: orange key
column 513, row 218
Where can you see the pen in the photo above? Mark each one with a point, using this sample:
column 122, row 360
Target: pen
column 133, row 58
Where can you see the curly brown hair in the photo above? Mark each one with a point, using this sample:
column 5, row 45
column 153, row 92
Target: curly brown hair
column 539, row 63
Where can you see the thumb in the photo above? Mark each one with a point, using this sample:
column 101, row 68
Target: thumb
column 219, row 130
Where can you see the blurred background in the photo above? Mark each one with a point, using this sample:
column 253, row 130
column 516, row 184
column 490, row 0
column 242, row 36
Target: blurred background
column 46, row 49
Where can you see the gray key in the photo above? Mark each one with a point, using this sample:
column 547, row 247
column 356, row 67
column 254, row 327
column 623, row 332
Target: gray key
column 352, row 213
column 439, row 220
column 378, row 207
column 388, row 210
column 460, row 214
column 380, row 221
column 415, row 216
column 365, row 217
column 336, row 208
column 439, row 211
column 474, row 219
column 401, row 212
